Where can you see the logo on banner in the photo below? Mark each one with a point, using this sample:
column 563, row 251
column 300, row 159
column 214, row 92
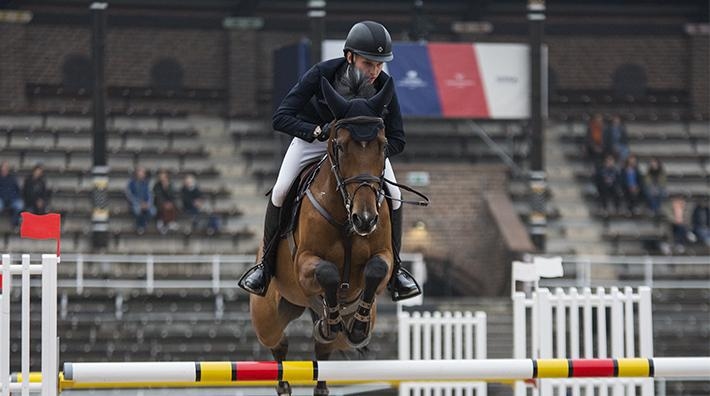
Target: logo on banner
column 460, row 81
column 412, row 81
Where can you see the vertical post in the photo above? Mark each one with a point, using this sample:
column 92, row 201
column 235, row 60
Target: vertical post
column 25, row 325
column 50, row 364
column 538, row 179
column 481, row 335
column 215, row 274
column 99, row 171
column 5, row 326
column 316, row 15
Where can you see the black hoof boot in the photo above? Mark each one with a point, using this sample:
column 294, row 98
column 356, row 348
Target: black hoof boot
column 403, row 285
column 255, row 280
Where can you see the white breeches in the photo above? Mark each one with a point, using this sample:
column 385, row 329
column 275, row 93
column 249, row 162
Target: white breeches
column 299, row 154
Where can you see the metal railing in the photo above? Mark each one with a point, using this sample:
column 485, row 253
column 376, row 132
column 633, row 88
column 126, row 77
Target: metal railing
column 658, row 272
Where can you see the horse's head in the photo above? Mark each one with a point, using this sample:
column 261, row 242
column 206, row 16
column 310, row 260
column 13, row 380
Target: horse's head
column 356, row 150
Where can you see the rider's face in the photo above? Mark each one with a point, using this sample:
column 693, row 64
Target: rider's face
column 370, row 68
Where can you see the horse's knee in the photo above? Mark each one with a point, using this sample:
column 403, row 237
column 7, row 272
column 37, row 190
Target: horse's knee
column 375, row 270
column 327, row 275
column 270, row 339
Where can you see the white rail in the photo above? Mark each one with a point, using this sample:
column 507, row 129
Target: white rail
column 50, row 357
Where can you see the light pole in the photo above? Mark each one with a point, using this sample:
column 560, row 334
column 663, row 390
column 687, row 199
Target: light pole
column 316, row 15
column 99, row 171
column 538, row 178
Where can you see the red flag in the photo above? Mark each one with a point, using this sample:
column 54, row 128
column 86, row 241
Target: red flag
column 41, row 226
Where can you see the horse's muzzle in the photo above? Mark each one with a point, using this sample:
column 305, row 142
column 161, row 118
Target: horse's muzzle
column 364, row 223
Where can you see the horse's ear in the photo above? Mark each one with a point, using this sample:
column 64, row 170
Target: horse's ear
column 383, row 98
column 336, row 103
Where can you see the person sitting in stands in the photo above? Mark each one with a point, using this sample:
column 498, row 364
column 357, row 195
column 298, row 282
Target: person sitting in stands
column 140, row 199
column 35, row 191
column 655, row 185
column 701, row 221
column 194, row 204
column 10, row 194
column 608, row 185
column 616, row 140
column 164, row 195
column 632, row 184
column 595, row 140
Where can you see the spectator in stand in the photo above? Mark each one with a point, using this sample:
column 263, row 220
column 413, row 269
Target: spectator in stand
column 35, row 191
column 10, row 198
column 655, row 186
column 616, row 140
column 140, row 199
column 194, row 204
column 595, row 140
column 632, row 184
column 700, row 220
column 681, row 236
column 608, row 184
column 164, row 198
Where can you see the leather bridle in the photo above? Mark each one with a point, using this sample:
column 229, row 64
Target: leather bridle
column 376, row 184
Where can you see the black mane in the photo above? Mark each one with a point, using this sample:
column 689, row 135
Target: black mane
column 354, row 84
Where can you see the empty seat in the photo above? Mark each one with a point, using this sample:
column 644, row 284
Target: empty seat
column 51, row 160
column 69, row 122
column 139, row 143
column 665, row 149
column 140, row 123
column 36, row 139
column 75, row 142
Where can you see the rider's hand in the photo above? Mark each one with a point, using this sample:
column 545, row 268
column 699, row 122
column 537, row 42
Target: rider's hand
column 322, row 133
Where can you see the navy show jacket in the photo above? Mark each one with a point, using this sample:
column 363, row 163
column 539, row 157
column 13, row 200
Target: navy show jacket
column 304, row 108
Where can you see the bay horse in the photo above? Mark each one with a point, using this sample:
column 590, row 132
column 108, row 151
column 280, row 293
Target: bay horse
column 342, row 254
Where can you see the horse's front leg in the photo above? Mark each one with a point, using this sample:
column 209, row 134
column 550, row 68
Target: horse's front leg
column 327, row 279
column 359, row 330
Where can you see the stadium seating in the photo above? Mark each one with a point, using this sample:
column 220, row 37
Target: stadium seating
column 63, row 144
column 683, row 149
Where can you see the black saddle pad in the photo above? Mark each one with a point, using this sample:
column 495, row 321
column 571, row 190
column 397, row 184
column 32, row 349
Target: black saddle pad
column 292, row 204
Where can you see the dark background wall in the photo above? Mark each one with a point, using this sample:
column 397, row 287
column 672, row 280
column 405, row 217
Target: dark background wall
column 591, row 45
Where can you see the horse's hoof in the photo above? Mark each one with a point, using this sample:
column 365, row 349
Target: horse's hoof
column 320, row 337
column 359, row 334
column 321, row 389
column 355, row 343
column 283, row 388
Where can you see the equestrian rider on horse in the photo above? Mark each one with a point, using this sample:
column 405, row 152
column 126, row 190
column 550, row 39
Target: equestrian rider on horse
column 304, row 115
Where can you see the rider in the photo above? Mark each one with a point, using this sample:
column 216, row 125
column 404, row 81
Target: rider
column 304, row 115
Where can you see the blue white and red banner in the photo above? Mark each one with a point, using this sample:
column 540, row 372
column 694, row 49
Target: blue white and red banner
column 457, row 80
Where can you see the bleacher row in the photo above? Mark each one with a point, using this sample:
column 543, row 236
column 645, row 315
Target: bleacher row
column 684, row 150
column 428, row 140
column 64, row 146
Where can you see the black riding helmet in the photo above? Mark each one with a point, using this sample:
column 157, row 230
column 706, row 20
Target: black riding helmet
column 371, row 40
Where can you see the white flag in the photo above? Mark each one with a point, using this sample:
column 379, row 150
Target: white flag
column 524, row 272
column 548, row 267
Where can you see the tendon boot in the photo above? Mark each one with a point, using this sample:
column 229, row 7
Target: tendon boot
column 402, row 284
column 256, row 279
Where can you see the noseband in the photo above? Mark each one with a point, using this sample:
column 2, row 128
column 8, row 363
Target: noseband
column 362, row 180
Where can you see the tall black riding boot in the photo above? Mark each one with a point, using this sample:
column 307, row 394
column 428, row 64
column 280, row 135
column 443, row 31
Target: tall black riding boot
column 402, row 284
column 256, row 279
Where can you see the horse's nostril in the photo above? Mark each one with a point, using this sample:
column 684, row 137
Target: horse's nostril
column 357, row 220
column 373, row 221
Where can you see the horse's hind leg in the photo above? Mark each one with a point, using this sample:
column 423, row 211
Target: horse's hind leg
column 283, row 388
column 287, row 312
column 270, row 316
column 323, row 352
column 359, row 329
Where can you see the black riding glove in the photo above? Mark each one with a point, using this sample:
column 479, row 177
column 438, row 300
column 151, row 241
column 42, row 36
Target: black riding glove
column 324, row 132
